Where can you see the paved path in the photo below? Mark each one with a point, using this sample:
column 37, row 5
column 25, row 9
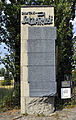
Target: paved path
column 65, row 114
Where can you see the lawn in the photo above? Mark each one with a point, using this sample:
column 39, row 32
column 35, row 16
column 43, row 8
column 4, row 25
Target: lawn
column 4, row 92
column 6, row 89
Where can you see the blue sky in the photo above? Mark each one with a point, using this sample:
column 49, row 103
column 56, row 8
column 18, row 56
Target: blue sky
column 74, row 26
column 3, row 51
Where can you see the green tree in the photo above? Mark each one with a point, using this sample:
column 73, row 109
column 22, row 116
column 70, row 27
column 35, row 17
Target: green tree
column 2, row 72
column 7, row 78
column 63, row 15
column 10, row 32
column 74, row 56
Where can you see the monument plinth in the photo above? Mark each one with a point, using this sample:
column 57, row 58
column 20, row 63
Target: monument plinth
column 38, row 72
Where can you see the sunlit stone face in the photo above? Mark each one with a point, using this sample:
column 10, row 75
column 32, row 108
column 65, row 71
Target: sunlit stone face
column 38, row 34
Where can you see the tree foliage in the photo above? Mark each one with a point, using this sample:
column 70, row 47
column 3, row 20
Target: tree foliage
column 74, row 56
column 63, row 15
column 2, row 72
column 10, row 33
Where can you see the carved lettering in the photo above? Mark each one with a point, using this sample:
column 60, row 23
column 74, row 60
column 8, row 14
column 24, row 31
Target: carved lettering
column 39, row 20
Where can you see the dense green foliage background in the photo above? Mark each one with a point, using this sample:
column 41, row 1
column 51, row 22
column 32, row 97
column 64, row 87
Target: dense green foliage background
column 10, row 34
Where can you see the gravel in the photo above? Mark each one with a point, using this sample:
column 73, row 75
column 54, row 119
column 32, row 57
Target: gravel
column 65, row 114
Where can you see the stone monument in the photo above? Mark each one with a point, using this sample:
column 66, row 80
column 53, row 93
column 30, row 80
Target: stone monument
column 38, row 71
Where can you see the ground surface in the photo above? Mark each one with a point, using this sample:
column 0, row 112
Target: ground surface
column 65, row 114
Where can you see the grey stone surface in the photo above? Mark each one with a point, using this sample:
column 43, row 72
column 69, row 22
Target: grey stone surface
column 41, row 59
column 37, row 69
column 42, row 88
column 40, row 105
column 41, row 73
column 35, row 45
column 42, row 33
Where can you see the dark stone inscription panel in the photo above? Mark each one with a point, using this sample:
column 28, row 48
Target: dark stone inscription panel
column 41, row 73
column 42, row 88
column 42, row 33
column 35, row 45
column 41, row 61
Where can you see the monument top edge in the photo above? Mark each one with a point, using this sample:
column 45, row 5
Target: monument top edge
column 25, row 6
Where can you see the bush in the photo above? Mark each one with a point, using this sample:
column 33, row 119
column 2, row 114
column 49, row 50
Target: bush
column 6, row 82
column 16, row 95
column 12, row 99
column 7, row 101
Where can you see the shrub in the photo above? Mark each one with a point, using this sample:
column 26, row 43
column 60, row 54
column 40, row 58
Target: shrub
column 6, row 82
column 12, row 99
column 16, row 95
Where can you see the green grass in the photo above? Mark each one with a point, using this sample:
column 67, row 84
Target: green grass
column 5, row 89
column 9, row 97
column 4, row 92
column 70, row 106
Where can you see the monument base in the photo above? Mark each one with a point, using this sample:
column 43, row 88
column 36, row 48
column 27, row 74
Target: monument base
column 39, row 105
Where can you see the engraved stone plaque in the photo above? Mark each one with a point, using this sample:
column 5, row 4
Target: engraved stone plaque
column 41, row 73
column 44, row 45
column 41, row 88
column 41, row 61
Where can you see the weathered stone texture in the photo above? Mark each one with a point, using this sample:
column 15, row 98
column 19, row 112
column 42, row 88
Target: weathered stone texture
column 39, row 105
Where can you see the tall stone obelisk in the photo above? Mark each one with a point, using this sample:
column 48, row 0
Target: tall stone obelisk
column 38, row 72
